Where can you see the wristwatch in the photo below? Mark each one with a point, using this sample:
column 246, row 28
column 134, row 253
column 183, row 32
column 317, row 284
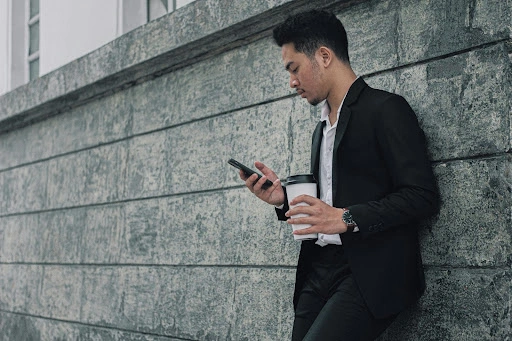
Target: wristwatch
column 347, row 218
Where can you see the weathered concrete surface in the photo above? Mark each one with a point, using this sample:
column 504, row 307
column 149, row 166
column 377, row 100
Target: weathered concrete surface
column 476, row 209
column 23, row 327
column 171, row 302
column 459, row 304
column 120, row 218
column 231, row 231
column 474, row 225
column 178, row 302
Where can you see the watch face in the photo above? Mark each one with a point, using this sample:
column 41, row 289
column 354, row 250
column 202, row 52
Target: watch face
column 347, row 218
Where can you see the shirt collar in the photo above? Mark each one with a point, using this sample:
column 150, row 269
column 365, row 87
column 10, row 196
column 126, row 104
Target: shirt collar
column 324, row 116
column 326, row 109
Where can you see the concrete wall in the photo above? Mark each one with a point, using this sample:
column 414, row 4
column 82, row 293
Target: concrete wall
column 120, row 218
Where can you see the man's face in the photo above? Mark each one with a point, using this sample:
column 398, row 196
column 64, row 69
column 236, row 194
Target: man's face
column 305, row 75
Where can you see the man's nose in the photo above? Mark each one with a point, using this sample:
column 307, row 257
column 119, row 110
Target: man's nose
column 294, row 82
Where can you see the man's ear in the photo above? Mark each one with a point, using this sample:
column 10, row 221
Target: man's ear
column 325, row 55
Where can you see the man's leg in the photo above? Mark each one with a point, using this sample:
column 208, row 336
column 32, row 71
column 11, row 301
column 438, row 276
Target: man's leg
column 308, row 307
column 346, row 317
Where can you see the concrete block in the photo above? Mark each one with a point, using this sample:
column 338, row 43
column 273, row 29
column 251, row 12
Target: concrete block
column 7, row 280
column 59, row 295
column 13, row 148
column 103, row 120
column 21, row 327
column 181, row 302
column 17, row 241
column 96, row 122
column 226, row 309
column 236, row 79
column 459, row 304
column 53, row 237
column 372, row 35
column 18, row 327
column 105, row 173
column 473, row 227
column 102, row 236
column 462, row 102
column 103, row 297
column 167, row 301
column 385, row 34
column 162, row 163
column 149, row 166
column 60, row 236
column 264, row 308
column 3, row 202
column 25, row 188
column 433, row 28
column 20, row 287
column 91, row 176
column 225, row 227
column 66, row 180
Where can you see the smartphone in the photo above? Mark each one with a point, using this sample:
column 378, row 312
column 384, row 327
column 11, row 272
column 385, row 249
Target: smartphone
column 249, row 172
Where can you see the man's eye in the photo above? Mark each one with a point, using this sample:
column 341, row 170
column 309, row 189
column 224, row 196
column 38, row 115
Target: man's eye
column 295, row 70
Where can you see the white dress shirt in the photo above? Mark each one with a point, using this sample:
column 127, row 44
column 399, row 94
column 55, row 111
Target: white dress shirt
column 325, row 171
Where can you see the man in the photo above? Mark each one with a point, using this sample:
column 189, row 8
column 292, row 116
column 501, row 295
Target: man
column 375, row 183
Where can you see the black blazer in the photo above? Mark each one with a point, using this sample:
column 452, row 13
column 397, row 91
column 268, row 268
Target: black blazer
column 382, row 174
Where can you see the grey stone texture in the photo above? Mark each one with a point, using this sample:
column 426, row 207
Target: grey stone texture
column 120, row 218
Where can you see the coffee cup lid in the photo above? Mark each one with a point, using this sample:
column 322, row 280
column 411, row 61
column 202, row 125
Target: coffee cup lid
column 299, row 179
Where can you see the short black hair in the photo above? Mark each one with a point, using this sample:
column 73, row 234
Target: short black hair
column 310, row 30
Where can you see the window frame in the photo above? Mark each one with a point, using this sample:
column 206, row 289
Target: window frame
column 35, row 56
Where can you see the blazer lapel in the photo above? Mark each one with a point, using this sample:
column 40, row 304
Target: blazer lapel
column 345, row 113
column 315, row 149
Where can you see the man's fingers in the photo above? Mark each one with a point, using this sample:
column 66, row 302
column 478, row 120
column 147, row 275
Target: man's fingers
column 305, row 199
column 303, row 220
column 250, row 182
column 304, row 231
column 265, row 170
column 300, row 210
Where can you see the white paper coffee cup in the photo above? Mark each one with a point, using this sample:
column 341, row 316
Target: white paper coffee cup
column 297, row 185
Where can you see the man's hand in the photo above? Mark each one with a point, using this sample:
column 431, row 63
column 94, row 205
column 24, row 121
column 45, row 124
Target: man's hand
column 322, row 217
column 273, row 195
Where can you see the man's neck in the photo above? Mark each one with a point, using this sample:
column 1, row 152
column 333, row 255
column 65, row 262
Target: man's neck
column 340, row 89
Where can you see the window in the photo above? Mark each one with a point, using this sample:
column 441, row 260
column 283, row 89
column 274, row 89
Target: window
column 135, row 13
column 33, row 40
column 158, row 8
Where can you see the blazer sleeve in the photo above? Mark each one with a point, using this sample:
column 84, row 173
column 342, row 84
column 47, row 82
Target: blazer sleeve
column 280, row 212
column 403, row 148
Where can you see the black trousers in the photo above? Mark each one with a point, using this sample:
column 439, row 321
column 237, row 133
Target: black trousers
column 330, row 306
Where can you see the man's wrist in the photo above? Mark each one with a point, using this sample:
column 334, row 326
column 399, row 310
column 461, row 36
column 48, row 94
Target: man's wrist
column 349, row 220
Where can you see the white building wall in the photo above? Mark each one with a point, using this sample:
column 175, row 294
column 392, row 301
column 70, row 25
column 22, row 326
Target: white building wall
column 5, row 24
column 71, row 29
